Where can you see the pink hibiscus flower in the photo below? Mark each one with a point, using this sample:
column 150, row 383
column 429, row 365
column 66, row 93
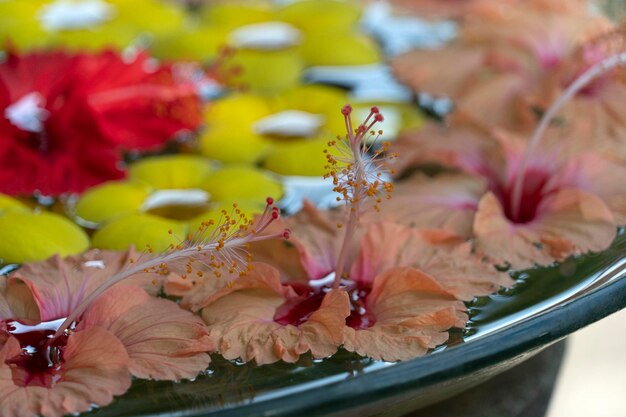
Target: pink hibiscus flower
column 124, row 332
column 509, row 50
column 569, row 203
column 65, row 119
column 274, row 314
column 594, row 116
column 403, row 288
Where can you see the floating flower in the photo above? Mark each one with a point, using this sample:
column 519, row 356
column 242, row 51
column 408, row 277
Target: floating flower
column 397, row 309
column 168, row 197
column 593, row 117
column 286, row 133
column 51, row 371
column 65, row 118
column 393, row 312
column 243, row 318
column 509, row 49
column 567, row 205
column 36, row 235
column 273, row 45
column 86, row 25
column 404, row 284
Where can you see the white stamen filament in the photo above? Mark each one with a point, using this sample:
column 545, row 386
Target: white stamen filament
column 575, row 87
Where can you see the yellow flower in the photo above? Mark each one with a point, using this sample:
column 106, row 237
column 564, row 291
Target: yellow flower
column 321, row 15
column 339, row 48
column 85, row 24
column 29, row 235
column 266, row 71
column 166, row 198
column 303, row 157
column 190, row 43
column 248, row 128
column 229, row 135
column 273, row 45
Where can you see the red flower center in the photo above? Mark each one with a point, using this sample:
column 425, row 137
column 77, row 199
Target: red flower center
column 39, row 362
column 297, row 310
column 533, row 193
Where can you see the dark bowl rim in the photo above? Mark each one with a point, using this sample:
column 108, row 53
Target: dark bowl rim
column 528, row 335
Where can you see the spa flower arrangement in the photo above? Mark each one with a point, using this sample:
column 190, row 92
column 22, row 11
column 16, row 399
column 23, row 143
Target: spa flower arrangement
column 184, row 186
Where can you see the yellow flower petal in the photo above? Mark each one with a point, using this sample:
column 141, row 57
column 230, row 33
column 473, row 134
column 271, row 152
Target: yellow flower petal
column 197, row 44
column 10, row 203
column 266, row 72
column 171, row 171
column 234, row 15
column 237, row 183
column 19, row 24
column 337, row 48
column 110, row 200
column 240, row 111
column 301, row 157
column 93, row 40
column 229, row 145
column 152, row 16
column 229, row 136
column 321, row 15
column 37, row 236
column 139, row 230
column 318, row 99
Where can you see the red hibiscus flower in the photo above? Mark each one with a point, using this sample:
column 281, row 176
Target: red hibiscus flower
column 64, row 119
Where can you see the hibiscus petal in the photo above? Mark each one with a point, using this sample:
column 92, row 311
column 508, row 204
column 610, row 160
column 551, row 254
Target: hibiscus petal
column 447, row 201
column 315, row 236
column 163, row 341
column 413, row 314
column 569, row 222
column 5, row 309
column 444, row 256
column 436, row 71
column 243, row 322
column 16, row 300
column 58, row 284
column 94, row 369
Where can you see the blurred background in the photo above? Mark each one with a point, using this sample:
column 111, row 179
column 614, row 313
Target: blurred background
column 592, row 379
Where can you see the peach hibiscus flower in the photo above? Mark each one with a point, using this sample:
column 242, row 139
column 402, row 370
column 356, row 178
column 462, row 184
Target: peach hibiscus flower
column 508, row 49
column 594, row 115
column 51, row 370
column 568, row 202
column 403, row 289
column 251, row 320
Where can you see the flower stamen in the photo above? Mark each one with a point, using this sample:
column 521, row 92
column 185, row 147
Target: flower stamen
column 356, row 165
column 217, row 246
